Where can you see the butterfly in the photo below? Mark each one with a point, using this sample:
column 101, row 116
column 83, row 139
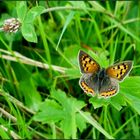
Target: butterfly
column 101, row 81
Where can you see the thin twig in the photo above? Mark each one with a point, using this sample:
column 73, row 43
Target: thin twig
column 60, row 8
column 18, row 103
column 18, row 57
column 14, row 119
column 8, row 115
column 12, row 133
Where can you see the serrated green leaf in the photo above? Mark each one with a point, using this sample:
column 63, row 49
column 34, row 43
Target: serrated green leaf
column 28, row 32
column 130, row 88
column 81, row 123
column 131, row 85
column 98, row 102
column 50, row 111
column 134, row 102
column 118, row 101
column 69, row 104
column 66, row 126
column 70, row 107
column 60, row 96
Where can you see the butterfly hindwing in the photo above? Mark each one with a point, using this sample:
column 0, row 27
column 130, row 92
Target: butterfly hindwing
column 87, row 63
column 87, row 84
column 120, row 70
column 109, row 89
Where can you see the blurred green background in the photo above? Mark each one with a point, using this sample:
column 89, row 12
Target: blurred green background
column 39, row 72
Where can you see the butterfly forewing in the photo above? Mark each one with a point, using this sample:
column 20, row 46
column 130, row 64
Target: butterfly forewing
column 87, row 63
column 120, row 70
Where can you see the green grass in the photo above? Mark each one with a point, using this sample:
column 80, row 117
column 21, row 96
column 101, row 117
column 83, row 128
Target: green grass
column 39, row 92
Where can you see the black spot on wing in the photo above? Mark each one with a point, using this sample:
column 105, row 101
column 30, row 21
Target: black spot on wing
column 90, row 61
column 84, row 57
column 124, row 66
column 118, row 67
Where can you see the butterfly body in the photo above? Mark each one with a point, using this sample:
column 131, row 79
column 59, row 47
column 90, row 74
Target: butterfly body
column 101, row 81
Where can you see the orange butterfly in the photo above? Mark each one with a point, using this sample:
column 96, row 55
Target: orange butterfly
column 102, row 81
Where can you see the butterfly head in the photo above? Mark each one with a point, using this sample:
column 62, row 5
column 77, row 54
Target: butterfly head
column 102, row 73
